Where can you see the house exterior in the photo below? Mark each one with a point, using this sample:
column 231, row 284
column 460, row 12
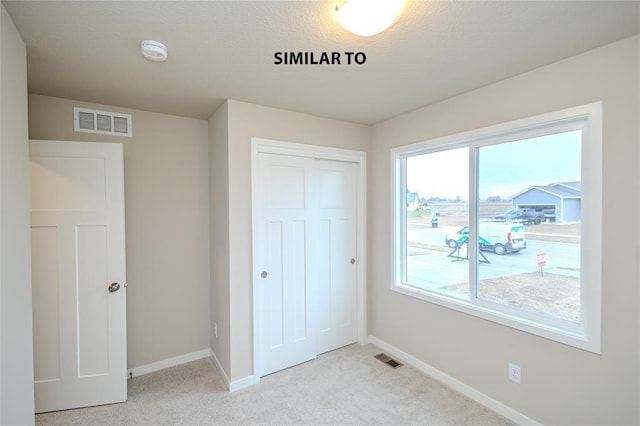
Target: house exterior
column 413, row 201
column 560, row 202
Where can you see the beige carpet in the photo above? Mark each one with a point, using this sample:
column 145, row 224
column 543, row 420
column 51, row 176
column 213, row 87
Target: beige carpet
column 347, row 386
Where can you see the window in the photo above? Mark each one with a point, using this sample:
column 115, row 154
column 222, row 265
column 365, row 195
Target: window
column 505, row 223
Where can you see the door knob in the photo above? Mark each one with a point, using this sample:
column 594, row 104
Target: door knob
column 114, row 287
column 353, row 261
column 264, row 274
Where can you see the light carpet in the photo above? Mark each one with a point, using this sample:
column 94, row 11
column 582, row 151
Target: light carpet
column 346, row 386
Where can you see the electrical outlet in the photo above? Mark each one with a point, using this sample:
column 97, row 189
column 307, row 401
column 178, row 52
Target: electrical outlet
column 215, row 330
column 515, row 374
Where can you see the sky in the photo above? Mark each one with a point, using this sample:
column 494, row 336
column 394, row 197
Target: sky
column 504, row 169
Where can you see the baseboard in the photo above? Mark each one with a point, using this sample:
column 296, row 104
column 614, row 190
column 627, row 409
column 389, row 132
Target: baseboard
column 221, row 371
column 241, row 384
column 453, row 383
column 166, row 363
column 231, row 386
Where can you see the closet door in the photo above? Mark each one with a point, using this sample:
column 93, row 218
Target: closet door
column 286, row 233
column 306, row 268
column 336, row 254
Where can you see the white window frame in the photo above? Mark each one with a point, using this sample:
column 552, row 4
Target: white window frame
column 588, row 118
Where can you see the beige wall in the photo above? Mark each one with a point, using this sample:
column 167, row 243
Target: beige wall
column 561, row 384
column 244, row 122
column 219, row 202
column 167, row 224
column 16, row 368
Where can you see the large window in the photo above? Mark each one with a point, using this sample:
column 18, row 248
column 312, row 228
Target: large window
column 505, row 223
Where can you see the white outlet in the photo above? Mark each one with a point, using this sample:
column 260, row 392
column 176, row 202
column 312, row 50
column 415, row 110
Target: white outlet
column 515, row 375
column 215, row 330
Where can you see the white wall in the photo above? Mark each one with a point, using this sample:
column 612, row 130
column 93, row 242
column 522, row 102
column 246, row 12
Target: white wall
column 244, row 122
column 16, row 368
column 561, row 384
column 167, row 224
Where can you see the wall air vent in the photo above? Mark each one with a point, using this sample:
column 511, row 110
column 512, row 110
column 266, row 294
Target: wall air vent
column 106, row 123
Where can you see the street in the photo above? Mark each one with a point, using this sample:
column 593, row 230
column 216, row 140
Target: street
column 430, row 263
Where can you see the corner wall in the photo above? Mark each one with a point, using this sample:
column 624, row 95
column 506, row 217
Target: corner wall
column 166, row 177
column 16, row 365
column 560, row 384
column 219, row 240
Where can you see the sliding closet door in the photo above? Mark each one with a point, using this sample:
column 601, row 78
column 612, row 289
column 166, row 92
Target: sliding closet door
column 306, row 268
column 287, row 216
column 336, row 254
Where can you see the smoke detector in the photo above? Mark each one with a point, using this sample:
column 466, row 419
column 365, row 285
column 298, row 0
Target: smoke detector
column 154, row 50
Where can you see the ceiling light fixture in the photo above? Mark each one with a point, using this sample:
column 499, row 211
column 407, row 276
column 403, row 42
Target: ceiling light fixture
column 154, row 50
column 368, row 17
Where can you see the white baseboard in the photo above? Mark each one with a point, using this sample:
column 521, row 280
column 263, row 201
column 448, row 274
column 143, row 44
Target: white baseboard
column 241, row 384
column 453, row 383
column 221, row 371
column 166, row 363
column 231, row 386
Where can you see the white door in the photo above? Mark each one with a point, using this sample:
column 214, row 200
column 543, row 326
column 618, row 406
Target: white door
column 287, row 217
column 336, row 254
column 78, row 268
column 306, row 242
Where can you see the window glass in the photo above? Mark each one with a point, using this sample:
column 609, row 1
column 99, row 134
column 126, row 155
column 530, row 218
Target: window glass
column 529, row 202
column 437, row 212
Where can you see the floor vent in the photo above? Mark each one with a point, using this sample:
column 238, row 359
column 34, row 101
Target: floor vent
column 388, row 360
column 106, row 123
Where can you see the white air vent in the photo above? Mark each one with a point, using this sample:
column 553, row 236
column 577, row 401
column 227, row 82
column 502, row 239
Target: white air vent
column 106, row 123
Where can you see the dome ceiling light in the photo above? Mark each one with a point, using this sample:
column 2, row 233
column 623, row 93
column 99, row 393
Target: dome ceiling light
column 154, row 50
column 368, row 17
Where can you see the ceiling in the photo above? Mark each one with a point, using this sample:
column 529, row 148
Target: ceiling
column 90, row 51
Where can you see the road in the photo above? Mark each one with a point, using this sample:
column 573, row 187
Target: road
column 433, row 267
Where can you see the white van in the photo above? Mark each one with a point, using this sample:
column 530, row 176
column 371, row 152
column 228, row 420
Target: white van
column 498, row 237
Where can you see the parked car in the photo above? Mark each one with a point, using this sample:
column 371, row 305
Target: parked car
column 524, row 215
column 499, row 238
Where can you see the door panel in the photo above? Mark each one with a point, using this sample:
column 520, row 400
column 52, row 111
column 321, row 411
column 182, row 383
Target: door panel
column 71, row 184
column 324, row 275
column 275, row 290
column 77, row 220
column 92, row 301
column 46, row 313
column 299, row 301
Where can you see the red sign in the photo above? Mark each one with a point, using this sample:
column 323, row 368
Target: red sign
column 542, row 261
